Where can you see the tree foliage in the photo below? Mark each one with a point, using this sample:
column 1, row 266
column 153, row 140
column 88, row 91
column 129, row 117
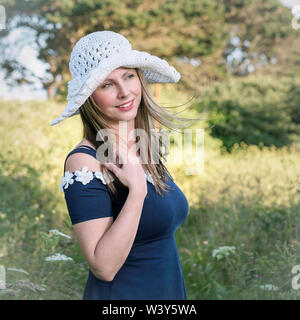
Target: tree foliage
column 171, row 29
column 253, row 111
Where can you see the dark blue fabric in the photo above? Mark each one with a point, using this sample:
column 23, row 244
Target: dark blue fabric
column 90, row 201
column 152, row 269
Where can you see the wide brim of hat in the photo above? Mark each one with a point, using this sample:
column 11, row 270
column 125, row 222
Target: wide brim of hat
column 155, row 70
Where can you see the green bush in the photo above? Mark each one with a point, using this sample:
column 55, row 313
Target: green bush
column 293, row 98
column 253, row 110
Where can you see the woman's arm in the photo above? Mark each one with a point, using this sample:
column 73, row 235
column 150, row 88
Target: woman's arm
column 104, row 243
column 114, row 246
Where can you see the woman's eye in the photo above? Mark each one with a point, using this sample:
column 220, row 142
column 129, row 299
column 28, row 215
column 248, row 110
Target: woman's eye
column 108, row 84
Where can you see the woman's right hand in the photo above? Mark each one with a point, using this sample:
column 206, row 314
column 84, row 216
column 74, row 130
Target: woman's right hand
column 130, row 172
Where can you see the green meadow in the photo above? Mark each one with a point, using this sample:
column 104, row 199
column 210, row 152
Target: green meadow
column 239, row 241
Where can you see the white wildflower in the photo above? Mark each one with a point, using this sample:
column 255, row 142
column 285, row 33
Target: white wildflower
column 85, row 176
column 18, row 270
column 269, row 287
column 58, row 257
column 66, row 180
column 222, row 252
column 55, row 231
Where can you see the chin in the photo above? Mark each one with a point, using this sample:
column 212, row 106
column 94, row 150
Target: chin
column 127, row 114
column 128, row 118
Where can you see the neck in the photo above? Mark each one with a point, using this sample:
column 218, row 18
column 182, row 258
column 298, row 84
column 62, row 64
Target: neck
column 124, row 132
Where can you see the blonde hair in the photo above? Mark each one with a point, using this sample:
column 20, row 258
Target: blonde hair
column 94, row 119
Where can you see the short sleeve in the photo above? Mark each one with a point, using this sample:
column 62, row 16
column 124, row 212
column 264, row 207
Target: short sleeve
column 86, row 198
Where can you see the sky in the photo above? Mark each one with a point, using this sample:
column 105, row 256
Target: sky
column 290, row 3
column 28, row 56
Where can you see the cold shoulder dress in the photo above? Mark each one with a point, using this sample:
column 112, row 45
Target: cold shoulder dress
column 152, row 269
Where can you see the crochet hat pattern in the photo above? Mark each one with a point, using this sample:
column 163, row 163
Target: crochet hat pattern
column 96, row 55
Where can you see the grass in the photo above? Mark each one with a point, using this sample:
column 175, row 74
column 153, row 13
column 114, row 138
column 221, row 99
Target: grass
column 247, row 199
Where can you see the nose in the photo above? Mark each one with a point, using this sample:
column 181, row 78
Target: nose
column 123, row 90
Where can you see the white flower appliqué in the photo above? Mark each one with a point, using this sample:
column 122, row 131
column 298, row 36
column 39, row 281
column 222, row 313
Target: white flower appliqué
column 85, row 176
column 149, row 177
column 99, row 175
column 66, row 180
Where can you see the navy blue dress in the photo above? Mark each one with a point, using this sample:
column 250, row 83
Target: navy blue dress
column 152, row 270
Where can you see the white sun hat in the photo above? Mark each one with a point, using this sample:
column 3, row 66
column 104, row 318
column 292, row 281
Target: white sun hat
column 96, row 55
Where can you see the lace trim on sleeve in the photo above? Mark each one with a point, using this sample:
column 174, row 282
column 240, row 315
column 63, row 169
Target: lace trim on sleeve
column 85, row 176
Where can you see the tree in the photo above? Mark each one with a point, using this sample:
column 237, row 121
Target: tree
column 167, row 28
column 170, row 28
column 253, row 110
column 263, row 29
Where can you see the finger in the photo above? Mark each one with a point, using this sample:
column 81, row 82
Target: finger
column 122, row 153
column 110, row 166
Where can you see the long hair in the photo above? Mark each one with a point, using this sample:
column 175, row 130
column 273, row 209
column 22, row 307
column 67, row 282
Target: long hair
column 149, row 111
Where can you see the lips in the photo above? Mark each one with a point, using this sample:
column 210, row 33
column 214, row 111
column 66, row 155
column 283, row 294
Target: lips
column 125, row 103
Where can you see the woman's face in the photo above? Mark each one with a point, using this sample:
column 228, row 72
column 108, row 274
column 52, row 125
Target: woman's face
column 121, row 86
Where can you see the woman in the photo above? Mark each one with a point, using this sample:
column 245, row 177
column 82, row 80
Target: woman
column 124, row 214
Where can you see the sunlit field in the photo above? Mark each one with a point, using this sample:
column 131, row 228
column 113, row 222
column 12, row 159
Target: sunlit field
column 239, row 241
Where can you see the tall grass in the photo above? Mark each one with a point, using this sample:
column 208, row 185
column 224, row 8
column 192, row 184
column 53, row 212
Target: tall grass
column 247, row 199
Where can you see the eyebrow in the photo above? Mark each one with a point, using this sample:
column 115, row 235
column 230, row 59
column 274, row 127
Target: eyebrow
column 122, row 76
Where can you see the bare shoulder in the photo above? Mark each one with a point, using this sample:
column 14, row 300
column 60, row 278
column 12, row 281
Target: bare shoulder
column 78, row 160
